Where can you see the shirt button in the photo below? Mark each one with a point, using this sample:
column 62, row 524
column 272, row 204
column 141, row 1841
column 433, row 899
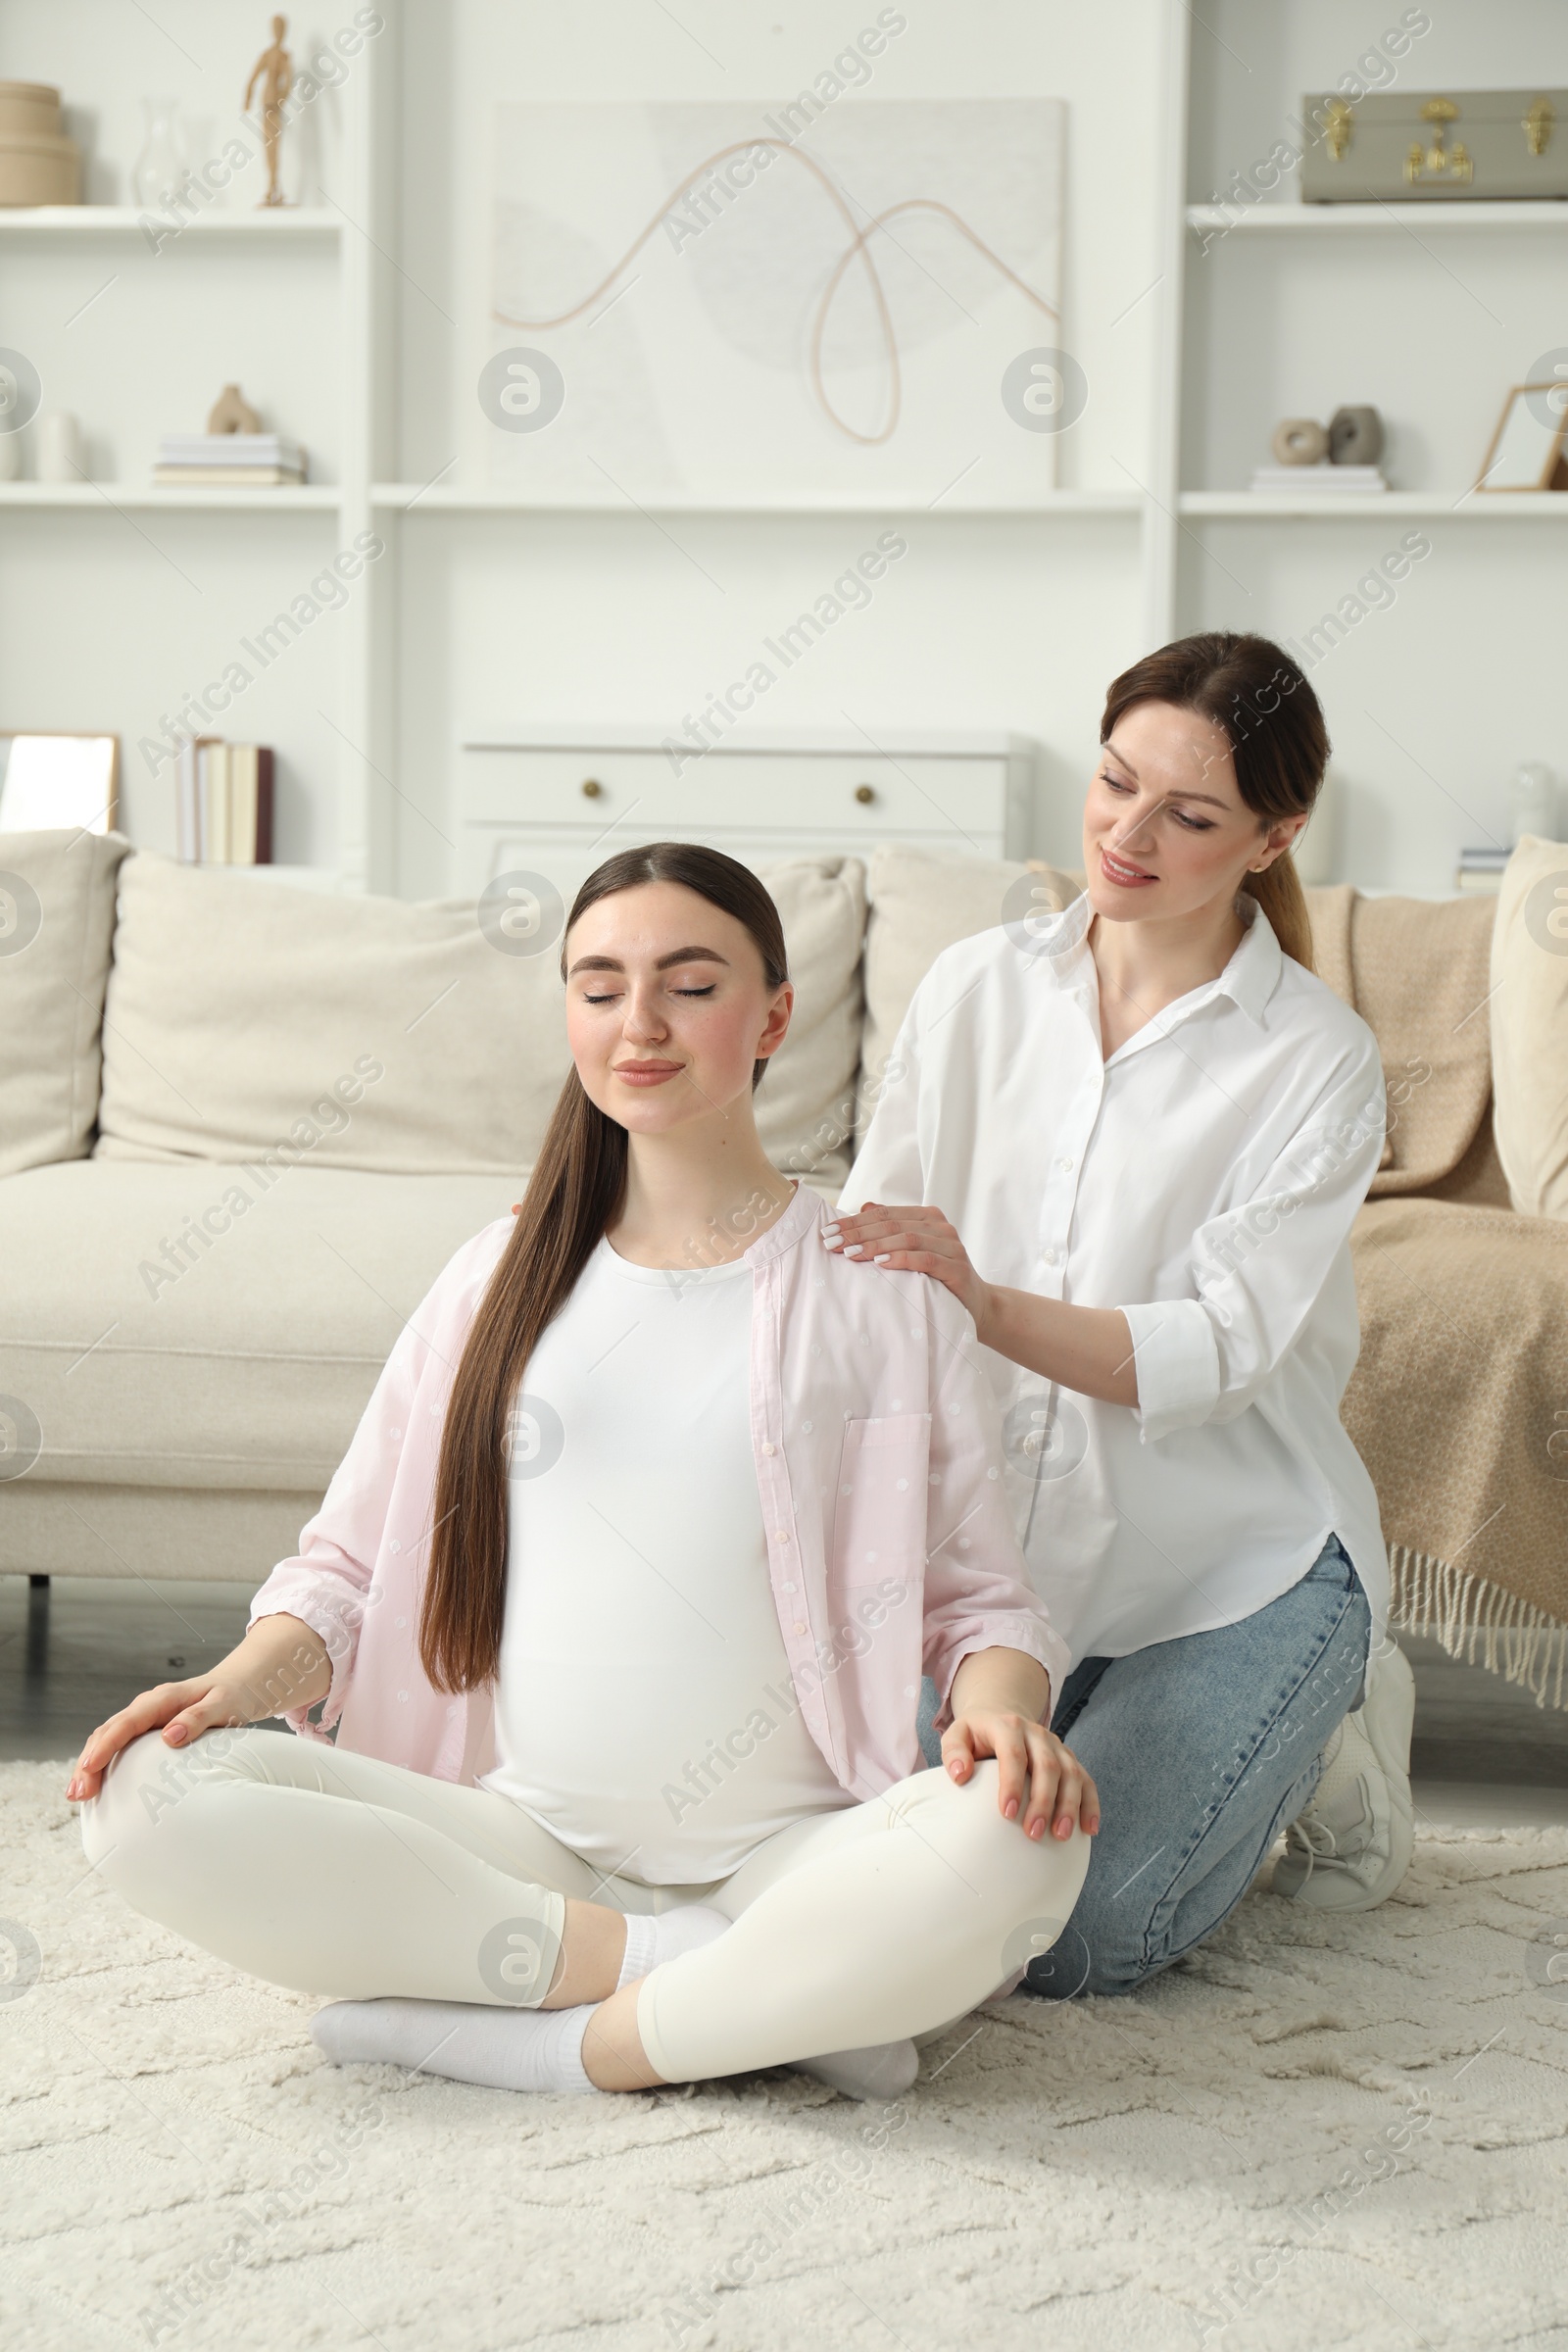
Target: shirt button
column 401, row 1623
column 806, row 1426
column 783, row 1534
column 904, row 1485
column 789, row 1588
column 769, row 1447
column 396, row 1433
column 1065, row 1166
column 1048, row 1257
column 799, row 1628
column 403, row 1698
column 394, row 1546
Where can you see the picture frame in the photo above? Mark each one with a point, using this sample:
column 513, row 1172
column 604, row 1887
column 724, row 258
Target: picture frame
column 1525, row 451
column 53, row 777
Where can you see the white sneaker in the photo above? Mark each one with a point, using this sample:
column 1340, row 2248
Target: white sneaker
column 1352, row 1846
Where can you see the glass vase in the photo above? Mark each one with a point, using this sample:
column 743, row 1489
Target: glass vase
column 156, row 170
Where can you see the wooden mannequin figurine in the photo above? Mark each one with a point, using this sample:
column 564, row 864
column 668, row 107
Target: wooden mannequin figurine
column 274, row 71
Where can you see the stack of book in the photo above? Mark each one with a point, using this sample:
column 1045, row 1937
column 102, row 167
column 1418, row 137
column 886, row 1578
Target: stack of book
column 1328, row 480
column 225, row 802
column 1482, row 869
column 228, row 460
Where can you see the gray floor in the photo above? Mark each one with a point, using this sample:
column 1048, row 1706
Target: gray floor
column 73, row 1652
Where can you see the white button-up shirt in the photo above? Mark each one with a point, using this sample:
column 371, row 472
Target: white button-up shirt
column 1205, row 1180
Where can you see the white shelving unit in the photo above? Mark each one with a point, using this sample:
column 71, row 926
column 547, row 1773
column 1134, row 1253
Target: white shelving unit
column 77, row 222
column 1453, row 217
column 302, row 498
column 357, row 321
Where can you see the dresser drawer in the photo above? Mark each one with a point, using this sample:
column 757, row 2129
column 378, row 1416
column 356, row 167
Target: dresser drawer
column 831, row 799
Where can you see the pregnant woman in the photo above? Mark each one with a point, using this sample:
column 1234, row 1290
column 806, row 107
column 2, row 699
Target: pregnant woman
column 619, row 1604
column 1131, row 1138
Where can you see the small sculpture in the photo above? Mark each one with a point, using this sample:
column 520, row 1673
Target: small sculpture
column 231, row 413
column 1351, row 437
column 274, row 70
column 1300, row 441
column 1355, row 437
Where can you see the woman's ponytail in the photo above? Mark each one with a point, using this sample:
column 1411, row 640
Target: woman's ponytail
column 1278, row 891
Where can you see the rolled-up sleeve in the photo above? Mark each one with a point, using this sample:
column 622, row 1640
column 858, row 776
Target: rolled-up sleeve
column 1241, row 1294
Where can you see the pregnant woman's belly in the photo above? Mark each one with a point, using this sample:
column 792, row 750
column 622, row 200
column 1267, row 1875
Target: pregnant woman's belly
column 644, row 1713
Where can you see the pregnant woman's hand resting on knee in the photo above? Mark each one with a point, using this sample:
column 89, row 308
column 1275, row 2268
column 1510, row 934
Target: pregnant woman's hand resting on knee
column 280, row 1663
column 1000, row 1697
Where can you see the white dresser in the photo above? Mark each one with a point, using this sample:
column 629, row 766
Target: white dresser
column 557, row 801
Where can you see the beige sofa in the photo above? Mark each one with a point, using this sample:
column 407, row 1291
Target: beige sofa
column 243, row 1126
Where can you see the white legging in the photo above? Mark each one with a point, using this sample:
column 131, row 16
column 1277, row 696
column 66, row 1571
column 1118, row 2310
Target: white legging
column 332, row 1873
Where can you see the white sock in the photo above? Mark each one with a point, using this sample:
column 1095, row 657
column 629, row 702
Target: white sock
column 885, row 2072
column 653, row 1937
column 506, row 2049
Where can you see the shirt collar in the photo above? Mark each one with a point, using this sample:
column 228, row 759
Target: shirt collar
column 1249, row 978
column 1252, row 973
column 806, row 1210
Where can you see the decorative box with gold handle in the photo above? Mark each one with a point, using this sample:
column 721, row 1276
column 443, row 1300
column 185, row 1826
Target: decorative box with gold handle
column 1436, row 146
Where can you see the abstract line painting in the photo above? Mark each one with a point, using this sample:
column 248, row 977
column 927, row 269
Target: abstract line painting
column 744, row 305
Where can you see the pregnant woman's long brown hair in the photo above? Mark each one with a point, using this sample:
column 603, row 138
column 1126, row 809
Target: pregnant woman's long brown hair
column 571, row 1199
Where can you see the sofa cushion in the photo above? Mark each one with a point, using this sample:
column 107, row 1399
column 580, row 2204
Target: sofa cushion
column 57, row 917
column 248, row 1018
column 245, row 1016
column 805, row 1103
column 1416, row 973
column 1530, row 1027
column 920, row 902
column 141, row 1355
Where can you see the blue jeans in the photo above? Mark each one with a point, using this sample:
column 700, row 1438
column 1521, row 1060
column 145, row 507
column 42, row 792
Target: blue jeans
column 1202, row 1751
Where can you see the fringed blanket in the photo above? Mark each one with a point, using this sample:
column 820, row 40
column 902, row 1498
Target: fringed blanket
column 1459, row 1401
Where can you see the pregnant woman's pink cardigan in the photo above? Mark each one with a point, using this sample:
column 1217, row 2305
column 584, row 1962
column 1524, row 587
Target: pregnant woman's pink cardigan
column 890, row 1539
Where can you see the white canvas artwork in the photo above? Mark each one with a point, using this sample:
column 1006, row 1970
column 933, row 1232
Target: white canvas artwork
column 728, row 303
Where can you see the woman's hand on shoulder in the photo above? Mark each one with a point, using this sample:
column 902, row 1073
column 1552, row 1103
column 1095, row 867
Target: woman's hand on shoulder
column 911, row 1241
column 1040, row 1782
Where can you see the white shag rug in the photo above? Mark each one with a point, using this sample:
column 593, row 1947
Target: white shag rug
column 1316, row 2132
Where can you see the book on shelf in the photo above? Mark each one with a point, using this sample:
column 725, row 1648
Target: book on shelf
column 228, row 460
column 224, row 477
column 223, row 803
column 1324, row 482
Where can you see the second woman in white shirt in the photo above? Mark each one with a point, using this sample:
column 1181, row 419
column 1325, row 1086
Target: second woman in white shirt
column 1132, row 1138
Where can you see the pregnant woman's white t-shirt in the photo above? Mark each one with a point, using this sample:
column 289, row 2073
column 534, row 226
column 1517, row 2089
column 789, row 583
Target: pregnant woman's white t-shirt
column 644, row 1713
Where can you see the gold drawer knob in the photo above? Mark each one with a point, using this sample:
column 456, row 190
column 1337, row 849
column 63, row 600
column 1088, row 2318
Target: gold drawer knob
column 592, row 789
column 866, row 794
